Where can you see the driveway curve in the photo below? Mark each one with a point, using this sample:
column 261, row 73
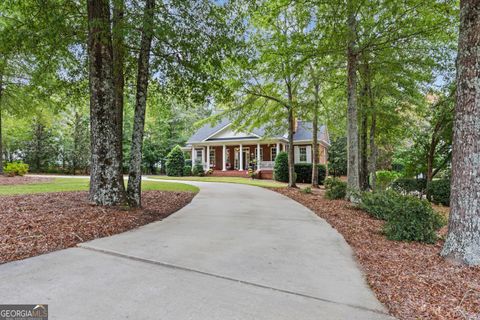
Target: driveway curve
column 236, row 252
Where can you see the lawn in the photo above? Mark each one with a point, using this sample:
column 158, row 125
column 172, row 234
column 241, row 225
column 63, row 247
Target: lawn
column 248, row 181
column 77, row 184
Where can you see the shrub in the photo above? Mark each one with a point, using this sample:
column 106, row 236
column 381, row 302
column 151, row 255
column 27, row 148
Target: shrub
column 336, row 189
column 413, row 219
column 16, row 169
column 304, row 173
column 306, row 190
column 187, row 171
column 175, row 162
column 385, row 178
column 438, row 191
column 198, row 170
column 380, row 204
column 409, row 185
column 281, row 167
column 188, row 162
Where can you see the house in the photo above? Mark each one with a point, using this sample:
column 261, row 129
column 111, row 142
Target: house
column 231, row 153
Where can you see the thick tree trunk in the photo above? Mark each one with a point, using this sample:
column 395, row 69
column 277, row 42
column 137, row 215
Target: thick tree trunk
column 315, row 138
column 134, row 189
column 353, row 181
column 463, row 240
column 118, row 50
column 106, row 182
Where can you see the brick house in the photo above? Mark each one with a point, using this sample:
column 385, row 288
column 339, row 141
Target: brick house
column 231, row 153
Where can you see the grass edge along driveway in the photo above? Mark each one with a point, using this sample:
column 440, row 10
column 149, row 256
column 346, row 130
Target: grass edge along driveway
column 76, row 184
column 240, row 180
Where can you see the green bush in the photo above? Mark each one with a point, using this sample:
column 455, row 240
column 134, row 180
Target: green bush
column 16, row 169
column 175, row 162
column 385, row 178
column 438, row 192
column 335, row 188
column 306, row 190
column 198, row 170
column 304, row 173
column 281, row 167
column 187, row 171
column 413, row 219
column 380, row 204
column 407, row 186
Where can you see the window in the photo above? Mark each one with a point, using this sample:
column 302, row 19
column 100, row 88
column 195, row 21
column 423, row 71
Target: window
column 273, row 153
column 212, row 157
column 303, row 154
column 198, row 156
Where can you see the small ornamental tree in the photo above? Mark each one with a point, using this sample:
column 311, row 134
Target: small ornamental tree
column 175, row 162
column 281, row 167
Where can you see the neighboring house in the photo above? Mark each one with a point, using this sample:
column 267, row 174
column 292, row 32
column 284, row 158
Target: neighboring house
column 222, row 148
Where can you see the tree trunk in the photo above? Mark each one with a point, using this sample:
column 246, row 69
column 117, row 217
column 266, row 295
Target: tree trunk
column 1, row 137
column 364, row 152
column 106, row 182
column 118, row 50
column 463, row 240
column 135, row 169
column 315, row 138
column 373, row 150
column 291, row 154
column 353, row 181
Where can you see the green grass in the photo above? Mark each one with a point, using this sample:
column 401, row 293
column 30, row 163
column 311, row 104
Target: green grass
column 252, row 182
column 75, row 184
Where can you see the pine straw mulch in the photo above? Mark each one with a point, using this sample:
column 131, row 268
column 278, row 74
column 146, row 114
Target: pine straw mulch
column 410, row 279
column 35, row 224
column 5, row 180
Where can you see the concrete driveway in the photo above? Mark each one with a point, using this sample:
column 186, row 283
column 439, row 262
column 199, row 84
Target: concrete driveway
column 236, row 252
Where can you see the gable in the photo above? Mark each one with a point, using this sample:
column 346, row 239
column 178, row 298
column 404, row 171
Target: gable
column 228, row 134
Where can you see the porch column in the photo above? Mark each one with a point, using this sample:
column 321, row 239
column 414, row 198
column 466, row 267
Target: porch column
column 224, row 167
column 208, row 157
column 278, row 150
column 258, row 156
column 241, row 158
column 193, row 156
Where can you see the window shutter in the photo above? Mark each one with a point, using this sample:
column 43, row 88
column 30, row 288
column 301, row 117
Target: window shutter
column 309, row 154
column 296, row 151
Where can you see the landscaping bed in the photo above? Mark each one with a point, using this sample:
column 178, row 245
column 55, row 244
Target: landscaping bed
column 5, row 180
column 409, row 278
column 41, row 223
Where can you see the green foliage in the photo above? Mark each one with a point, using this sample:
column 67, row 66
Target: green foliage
column 438, row 191
column 306, row 190
column 380, row 205
column 385, row 178
column 187, row 171
column 304, row 173
column 17, row 168
column 335, row 188
column 281, row 167
column 175, row 162
column 337, row 157
column 407, row 186
column 198, row 170
column 413, row 219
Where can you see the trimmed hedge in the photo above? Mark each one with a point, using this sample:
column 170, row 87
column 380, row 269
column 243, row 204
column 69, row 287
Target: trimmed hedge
column 409, row 185
column 335, row 189
column 281, row 167
column 16, row 169
column 438, row 191
column 408, row 218
column 187, row 171
column 198, row 170
column 385, row 178
column 175, row 162
column 304, row 173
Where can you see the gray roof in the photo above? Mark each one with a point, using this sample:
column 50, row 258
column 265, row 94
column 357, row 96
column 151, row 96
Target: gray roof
column 304, row 131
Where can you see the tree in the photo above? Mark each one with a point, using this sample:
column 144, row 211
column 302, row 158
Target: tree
column 135, row 169
column 106, row 181
column 463, row 240
column 175, row 162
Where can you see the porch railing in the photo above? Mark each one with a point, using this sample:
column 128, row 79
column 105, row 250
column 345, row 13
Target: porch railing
column 267, row 164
